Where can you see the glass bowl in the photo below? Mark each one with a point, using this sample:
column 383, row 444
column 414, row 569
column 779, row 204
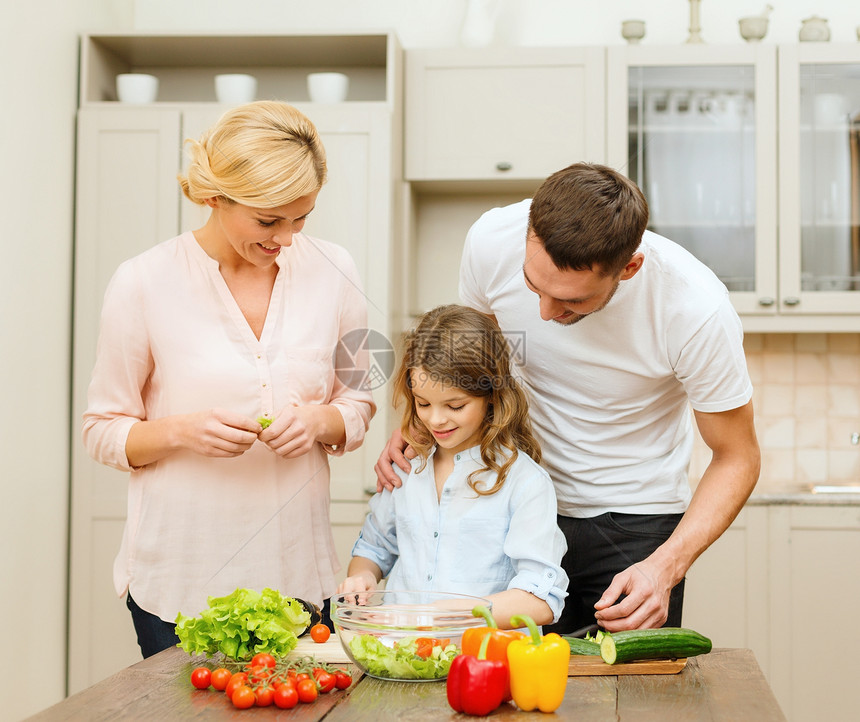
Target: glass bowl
column 404, row 635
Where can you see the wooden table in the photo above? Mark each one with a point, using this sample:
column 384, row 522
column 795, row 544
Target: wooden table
column 726, row 684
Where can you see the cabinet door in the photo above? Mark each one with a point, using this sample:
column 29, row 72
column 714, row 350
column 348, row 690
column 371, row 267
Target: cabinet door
column 123, row 207
column 512, row 113
column 815, row 634
column 725, row 596
column 819, row 144
column 694, row 127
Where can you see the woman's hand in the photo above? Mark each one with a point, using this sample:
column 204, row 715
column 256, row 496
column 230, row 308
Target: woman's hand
column 295, row 430
column 217, row 432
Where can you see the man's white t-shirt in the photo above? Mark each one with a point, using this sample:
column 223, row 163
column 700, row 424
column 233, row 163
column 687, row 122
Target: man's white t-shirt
column 611, row 395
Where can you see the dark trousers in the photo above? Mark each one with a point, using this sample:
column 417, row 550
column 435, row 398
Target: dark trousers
column 600, row 547
column 155, row 635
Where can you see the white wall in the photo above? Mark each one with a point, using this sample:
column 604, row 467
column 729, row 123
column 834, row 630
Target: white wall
column 39, row 95
column 522, row 22
column 39, row 58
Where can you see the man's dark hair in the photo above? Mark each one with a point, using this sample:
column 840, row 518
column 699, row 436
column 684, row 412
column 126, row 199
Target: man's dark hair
column 589, row 217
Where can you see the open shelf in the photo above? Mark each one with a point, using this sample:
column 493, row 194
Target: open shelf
column 186, row 64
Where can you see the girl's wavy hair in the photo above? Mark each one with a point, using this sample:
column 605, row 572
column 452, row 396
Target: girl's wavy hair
column 464, row 348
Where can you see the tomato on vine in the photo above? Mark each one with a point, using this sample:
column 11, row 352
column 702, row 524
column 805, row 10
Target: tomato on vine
column 264, row 695
column 220, row 677
column 243, row 697
column 325, row 680
column 286, row 696
column 307, row 690
column 263, row 659
column 342, row 679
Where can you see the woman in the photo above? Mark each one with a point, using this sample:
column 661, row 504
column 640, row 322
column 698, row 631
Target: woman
column 202, row 338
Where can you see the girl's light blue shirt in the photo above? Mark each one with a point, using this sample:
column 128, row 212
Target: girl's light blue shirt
column 468, row 543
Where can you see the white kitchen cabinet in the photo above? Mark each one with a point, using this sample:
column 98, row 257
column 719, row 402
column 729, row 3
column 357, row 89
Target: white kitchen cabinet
column 694, row 127
column 819, row 144
column 814, row 627
column 725, row 143
column 498, row 113
column 726, row 593
column 128, row 200
column 783, row 581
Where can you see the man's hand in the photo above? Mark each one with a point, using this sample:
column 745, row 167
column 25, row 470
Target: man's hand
column 396, row 451
column 647, row 586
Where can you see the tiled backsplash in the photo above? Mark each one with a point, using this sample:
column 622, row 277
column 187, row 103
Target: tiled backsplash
column 807, row 406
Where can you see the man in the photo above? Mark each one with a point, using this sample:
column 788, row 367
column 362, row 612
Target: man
column 621, row 332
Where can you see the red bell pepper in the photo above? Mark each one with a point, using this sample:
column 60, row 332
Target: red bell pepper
column 476, row 685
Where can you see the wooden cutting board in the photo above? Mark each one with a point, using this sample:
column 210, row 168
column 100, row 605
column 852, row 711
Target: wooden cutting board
column 584, row 666
column 329, row 651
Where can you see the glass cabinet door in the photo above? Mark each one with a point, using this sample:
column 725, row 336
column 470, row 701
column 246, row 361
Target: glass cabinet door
column 820, row 194
column 696, row 139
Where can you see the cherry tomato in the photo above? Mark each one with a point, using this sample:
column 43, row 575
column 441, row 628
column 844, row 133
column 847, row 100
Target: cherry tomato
column 263, row 659
column 237, row 680
column 201, row 677
column 259, row 674
column 286, row 696
column 320, row 633
column 342, row 679
column 264, row 696
column 325, row 680
column 220, row 677
column 307, row 690
column 302, row 675
column 288, row 682
column 243, row 697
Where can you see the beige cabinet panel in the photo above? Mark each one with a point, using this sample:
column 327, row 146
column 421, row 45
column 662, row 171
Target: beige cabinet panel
column 123, row 208
column 726, row 592
column 512, row 113
column 814, row 624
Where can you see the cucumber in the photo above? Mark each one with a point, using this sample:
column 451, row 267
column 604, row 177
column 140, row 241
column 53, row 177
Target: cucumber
column 583, row 646
column 664, row 643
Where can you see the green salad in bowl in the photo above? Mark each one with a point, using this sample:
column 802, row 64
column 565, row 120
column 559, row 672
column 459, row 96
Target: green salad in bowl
column 404, row 635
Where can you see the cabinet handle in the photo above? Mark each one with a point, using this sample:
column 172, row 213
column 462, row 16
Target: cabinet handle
column 503, row 165
column 766, row 301
column 791, row 300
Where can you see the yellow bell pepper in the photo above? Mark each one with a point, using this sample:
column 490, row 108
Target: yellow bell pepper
column 538, row 668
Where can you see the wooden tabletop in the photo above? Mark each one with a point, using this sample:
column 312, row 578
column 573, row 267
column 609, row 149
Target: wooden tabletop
column 726, row 684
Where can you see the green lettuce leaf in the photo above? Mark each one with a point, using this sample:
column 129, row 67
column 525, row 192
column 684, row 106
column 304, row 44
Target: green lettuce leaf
column 244, row 623
column 401, row 661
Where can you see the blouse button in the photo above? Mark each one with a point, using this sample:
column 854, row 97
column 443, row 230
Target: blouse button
column 435, row 534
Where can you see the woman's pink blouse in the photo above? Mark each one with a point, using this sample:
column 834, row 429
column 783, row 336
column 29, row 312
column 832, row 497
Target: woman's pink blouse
column 174, row 341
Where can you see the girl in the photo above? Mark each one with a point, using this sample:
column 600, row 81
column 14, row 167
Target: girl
column 477, row 514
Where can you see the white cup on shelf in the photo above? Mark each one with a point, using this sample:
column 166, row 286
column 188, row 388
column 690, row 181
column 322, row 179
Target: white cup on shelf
column 235, row 88
column 136, row 88
column 328, row 87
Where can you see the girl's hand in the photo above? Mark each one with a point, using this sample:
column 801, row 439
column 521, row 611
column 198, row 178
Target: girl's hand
column 361, row 582
column 216, row 432
column 294, row 431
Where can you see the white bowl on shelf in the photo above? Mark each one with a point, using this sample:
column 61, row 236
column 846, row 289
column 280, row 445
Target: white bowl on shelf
column 753, row 29
column 136, row 88
column 328, row 87
column 235, row 88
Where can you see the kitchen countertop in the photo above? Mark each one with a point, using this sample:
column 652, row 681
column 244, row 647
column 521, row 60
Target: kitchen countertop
column 726, row 684
column 805, row 498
